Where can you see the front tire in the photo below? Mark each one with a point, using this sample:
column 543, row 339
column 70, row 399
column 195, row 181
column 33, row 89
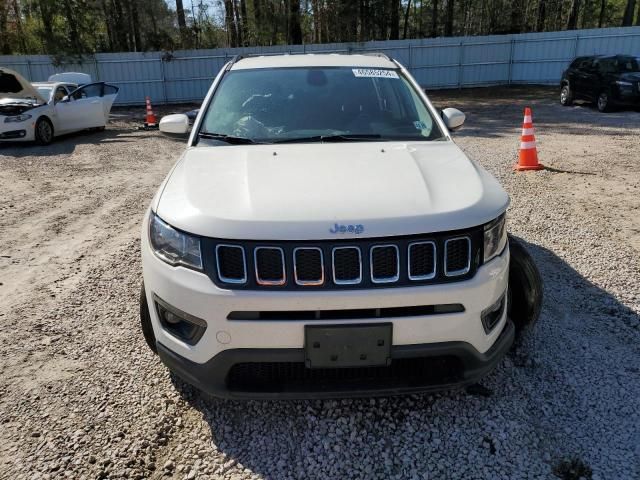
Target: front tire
column 566, row 96
column 44, row 131
column 145, row 321
column 604, row 102
column 525, row 288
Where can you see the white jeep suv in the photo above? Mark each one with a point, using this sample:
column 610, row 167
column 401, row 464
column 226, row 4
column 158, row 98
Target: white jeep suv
column 323, row 236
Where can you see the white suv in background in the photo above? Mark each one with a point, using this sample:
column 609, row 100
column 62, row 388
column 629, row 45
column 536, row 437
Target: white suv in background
column 323, row 236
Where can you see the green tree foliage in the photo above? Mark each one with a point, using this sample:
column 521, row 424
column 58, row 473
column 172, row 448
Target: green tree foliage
column 78, row 27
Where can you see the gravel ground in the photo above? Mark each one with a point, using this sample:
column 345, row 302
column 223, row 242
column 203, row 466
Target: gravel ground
column 82, row 397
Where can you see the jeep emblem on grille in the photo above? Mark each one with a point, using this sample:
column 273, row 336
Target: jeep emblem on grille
column 337, row 228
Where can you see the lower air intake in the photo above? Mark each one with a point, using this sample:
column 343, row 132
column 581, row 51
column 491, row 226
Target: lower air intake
column 294, row 376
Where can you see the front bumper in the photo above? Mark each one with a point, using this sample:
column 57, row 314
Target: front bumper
column 432, row 341
column 260, row 373
column 16, row 132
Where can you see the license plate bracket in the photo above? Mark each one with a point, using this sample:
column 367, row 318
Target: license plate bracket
column 341, row 346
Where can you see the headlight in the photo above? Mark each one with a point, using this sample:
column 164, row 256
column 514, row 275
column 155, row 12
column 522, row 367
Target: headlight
column 173, row 246
column 495, row 238
column 17, row 118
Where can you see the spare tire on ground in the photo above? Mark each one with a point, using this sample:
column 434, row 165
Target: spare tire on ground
column 525, row 287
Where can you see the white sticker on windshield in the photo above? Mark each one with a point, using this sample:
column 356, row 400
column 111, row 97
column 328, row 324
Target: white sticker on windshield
column 375, row 73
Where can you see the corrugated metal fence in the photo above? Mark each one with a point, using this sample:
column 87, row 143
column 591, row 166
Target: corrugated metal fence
column 182, row 76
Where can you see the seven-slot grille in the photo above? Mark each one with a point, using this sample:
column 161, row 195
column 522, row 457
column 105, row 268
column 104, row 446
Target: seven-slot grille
column 231, row 264
column 346, row 265
column 357, row 263
column 308, row 265
column 422, row 260
column 385, row 263
column 457, row 256
column 270, row 266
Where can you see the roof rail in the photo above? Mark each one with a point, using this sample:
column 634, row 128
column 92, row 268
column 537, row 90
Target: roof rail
column 371, row 54
column 234, row 59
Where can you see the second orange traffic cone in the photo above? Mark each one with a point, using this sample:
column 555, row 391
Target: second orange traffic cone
column 528, row 152
column 150, row 121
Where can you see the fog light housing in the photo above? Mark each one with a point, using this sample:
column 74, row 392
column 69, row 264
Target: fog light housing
column 180, row 324
column 492, row 315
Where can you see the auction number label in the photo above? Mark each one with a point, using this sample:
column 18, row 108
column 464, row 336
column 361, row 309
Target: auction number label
column 374, row 73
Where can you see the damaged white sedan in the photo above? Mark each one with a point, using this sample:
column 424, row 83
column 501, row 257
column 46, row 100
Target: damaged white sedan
column 41, row 111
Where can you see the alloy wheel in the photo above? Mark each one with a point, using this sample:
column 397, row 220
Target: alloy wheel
column 603, row 100
column 44, row 131
column 563, row 95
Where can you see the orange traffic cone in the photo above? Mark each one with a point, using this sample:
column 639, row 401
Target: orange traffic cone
column 151, row 121
column 528, row 152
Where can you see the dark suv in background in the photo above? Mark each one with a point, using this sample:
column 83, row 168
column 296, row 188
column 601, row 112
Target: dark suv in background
column 609, row 81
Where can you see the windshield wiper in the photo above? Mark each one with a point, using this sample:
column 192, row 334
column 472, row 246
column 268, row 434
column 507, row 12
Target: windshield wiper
column 356, row 137
column 227, row 138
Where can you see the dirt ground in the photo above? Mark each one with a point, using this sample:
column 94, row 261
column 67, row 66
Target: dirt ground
column 594, row 156
column 80, row 394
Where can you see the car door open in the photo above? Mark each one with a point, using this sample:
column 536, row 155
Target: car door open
column 94, row 101
column 68, row 117
column 109, row 94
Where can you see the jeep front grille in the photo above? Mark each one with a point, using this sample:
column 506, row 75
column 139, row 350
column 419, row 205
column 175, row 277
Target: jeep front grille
column 270, row 266
column 308, row 266
column 457, row 256
column 347, row 265
column 385, row 263
column 422, row 260
column 355, row 263
column 231, row 263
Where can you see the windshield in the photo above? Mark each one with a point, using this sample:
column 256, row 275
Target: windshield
column 289, row 104
column 629, row 64
column 44, row 92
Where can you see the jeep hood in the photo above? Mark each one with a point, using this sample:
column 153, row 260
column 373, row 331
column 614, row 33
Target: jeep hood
column 15, row 88
column 300, row 191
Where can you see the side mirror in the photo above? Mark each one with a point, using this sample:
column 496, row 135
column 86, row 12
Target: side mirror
column 177, row 124
column 453, row 118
